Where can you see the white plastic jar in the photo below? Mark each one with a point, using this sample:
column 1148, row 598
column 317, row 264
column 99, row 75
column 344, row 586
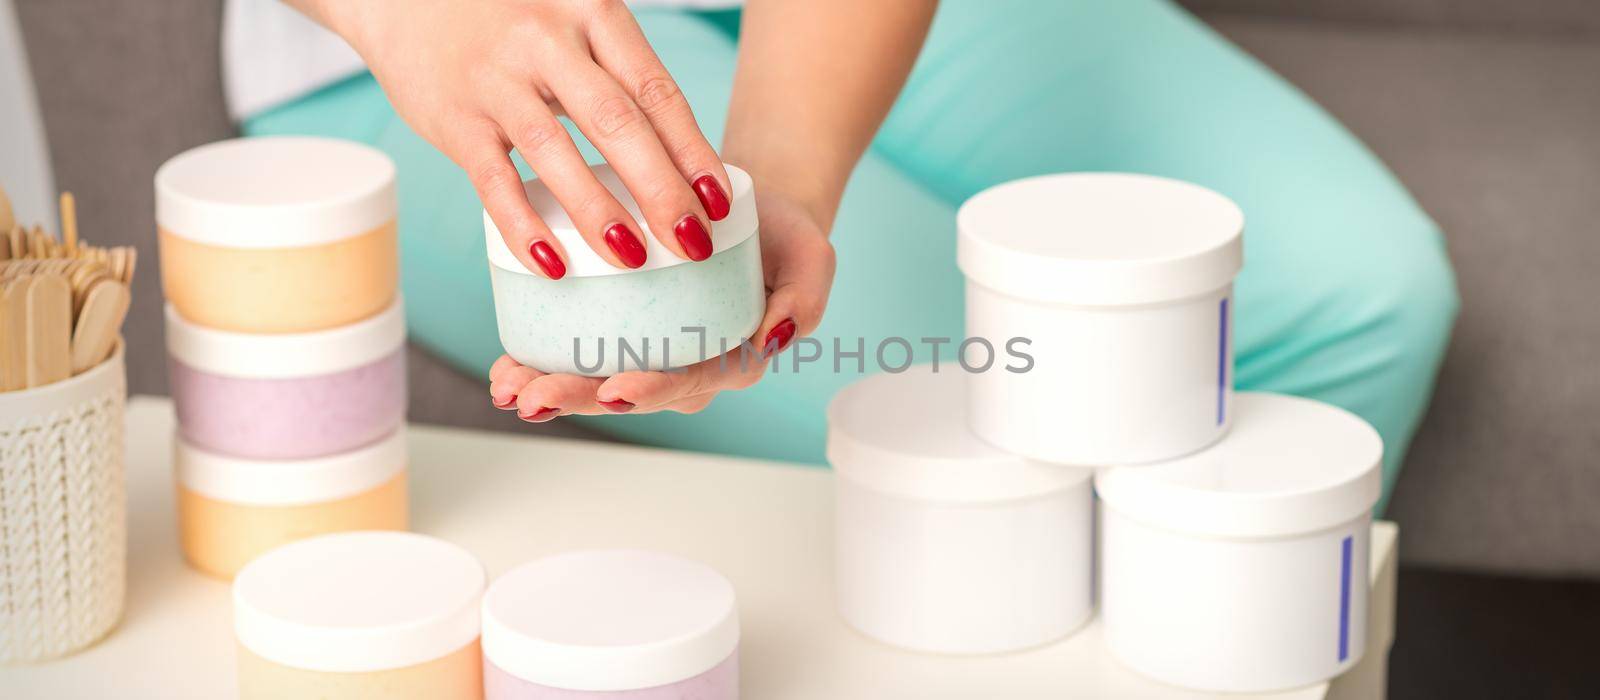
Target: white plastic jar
column 1117, row 288
column 279, row 234
column 606, row 624
column 360, row 615
column 288, row 395
column 600, row 320
column 230, row 510
column 1243, row 568
column 943, row 543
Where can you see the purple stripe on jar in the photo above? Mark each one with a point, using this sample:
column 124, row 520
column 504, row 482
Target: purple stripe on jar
column 1344, row 600
column 1222, row 361
column 292, row 418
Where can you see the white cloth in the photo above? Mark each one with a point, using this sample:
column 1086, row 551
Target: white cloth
column 272, row 54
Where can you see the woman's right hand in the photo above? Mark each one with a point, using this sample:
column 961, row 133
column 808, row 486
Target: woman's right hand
column 477, row 79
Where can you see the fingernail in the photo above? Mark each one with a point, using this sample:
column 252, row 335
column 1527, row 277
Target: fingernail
column 543, row 414
column 509, row 403
column 548, row 260
column 778, row 338
column 712, row 197
column 617, row 406
column 626, row 245
column 693, row 237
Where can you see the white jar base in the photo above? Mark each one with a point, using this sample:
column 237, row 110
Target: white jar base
column 1234, row 615
column 964, row 578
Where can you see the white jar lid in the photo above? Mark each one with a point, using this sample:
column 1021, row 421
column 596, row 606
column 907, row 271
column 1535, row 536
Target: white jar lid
column 354, row 602
column 286, row 355
column 582, row 261
column 275, row 192
column 1100, row 239
column 609, row 620
column 906, row 434
column 1289, row 466
column 290, row 482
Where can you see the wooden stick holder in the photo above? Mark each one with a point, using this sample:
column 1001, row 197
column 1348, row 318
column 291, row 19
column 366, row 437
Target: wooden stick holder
column 63, row 513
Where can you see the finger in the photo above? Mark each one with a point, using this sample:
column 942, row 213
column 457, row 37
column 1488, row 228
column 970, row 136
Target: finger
column 654, row 391
column 620, row 47
column 500, row 187
column 692, row 404
column 554, row 395
column 622, row 133
column 606, row 226
column 503, row 363
column 503, row 389
column 799, row 292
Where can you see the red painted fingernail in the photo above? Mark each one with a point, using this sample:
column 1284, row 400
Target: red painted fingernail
column 543, row 414
column 626, row 245
column 548, row 260
column 617, row 406
column 508, row 405
column 778, row 338
column 693, row 237
column 712, row 197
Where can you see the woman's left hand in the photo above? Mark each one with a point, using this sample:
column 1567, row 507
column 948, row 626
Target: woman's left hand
column 798, row 265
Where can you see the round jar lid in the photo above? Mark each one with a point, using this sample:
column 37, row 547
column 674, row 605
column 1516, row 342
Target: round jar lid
column 582, row 261
column 1100, row 239
column 1288, row 466
column 286, row 355
column 289, row 482
column 275, row 192
column 609, row 620
column 906, row 434
column 354, row 602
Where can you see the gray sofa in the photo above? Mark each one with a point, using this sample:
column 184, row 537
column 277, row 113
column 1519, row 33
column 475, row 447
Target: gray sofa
column 1489, row 111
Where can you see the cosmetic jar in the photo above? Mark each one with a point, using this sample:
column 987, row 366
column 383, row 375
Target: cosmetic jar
column 1115, row 290
column 1243, row 568
column 360, row 615
column 278, row 234
column 288, row 395
column 943, row 543
column 230, row 510
column 608, row 625
column 600, row 320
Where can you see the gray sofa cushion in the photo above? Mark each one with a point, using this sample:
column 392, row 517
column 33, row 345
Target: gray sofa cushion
column 1498, row 136
column 1572, row 17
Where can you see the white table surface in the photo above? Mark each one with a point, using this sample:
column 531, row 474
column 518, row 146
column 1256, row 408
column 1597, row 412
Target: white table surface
column 766, row 526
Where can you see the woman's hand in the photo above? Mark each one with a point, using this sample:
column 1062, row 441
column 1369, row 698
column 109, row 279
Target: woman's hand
column 477, row 79
column 798, row 263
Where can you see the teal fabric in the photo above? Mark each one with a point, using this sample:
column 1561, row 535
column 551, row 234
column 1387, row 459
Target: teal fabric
column 1347, row 293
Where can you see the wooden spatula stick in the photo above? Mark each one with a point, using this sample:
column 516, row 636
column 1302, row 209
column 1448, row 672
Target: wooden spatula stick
column 49, row 329
column 69, row 222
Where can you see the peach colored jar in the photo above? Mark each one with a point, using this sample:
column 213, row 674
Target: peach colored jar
column 360, row 615
column 230, row 510
column 278, row 234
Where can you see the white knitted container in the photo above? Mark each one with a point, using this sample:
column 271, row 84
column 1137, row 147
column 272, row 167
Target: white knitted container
column 63, row 525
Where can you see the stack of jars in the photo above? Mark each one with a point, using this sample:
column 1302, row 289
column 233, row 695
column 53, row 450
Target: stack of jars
column 1233, row 530
column 286, row 343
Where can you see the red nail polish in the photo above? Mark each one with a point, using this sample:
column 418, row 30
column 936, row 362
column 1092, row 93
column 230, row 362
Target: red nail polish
column 548, row 260
column 712, row 197
column 626, row 245
column 778, row 338
column 543, row 414
column 508, row 405
column 693, row 237
column 617, row 406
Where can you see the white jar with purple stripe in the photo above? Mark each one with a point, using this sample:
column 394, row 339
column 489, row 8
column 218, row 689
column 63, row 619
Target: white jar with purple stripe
column 611, row 624
column 288, row 395
column 1243, row 568
column 1098, row 316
